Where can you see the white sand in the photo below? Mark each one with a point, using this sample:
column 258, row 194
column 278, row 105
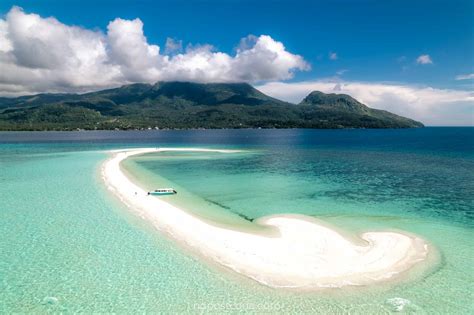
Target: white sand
column 303, row 253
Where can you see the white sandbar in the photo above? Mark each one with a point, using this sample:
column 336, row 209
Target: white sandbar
column 304, row 253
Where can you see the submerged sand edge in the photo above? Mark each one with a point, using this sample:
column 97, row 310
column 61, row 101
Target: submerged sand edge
column 305, row 254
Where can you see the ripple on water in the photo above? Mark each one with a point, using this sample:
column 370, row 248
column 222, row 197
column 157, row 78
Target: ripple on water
column 50, row 300
column 398, row 304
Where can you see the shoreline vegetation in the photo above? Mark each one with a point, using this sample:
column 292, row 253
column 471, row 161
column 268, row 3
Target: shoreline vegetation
column 295, row 251
column 186, row 105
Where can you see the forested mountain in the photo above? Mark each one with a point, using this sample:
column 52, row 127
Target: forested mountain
column 188, row 105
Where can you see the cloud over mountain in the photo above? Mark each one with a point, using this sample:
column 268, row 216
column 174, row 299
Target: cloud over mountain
column 429, row 105
column 44, row 55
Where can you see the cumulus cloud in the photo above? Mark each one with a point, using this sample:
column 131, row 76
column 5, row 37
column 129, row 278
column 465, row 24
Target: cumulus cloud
column 465, row 76
column 37, row 54
column 40, row 54
column 424, row 60
column 428, row 105
column 333, row 56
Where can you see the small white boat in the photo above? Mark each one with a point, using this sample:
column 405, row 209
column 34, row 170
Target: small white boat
column 163, row 192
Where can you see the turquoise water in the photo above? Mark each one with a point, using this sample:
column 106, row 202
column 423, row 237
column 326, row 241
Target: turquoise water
column 68, row 246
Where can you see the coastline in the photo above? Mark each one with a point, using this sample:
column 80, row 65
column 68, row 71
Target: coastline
column 303, row 253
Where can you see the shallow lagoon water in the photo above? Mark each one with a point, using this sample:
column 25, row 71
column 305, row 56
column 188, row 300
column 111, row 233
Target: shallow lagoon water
column 67, row 245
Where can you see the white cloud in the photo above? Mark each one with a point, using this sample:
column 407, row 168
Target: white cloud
column 341, row 72
column 428, row 105
column 130, row 51
column 5, row 43
column 44, row 55
column 465, row 76
column 333, row 56
column 173, row 46
column 424, row 60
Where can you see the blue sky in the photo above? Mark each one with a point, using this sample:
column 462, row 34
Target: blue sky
column 375, row 44
column 373, row 40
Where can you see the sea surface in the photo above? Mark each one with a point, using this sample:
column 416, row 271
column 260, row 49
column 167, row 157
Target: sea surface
column 67, row 245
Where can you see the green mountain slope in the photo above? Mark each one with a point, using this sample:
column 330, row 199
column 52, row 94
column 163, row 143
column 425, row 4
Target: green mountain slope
column 189, row 105
column 343, row 109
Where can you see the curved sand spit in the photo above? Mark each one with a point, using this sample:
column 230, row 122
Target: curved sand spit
column 302, row 254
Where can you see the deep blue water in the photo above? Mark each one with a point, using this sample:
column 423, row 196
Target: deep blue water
column 432, row 166
column 437, row 140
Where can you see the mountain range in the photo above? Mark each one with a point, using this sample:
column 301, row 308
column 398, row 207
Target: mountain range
column 186, row 105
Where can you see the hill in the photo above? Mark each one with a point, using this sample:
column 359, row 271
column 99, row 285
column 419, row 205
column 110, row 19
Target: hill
column 342, row 109
column 186, row 105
